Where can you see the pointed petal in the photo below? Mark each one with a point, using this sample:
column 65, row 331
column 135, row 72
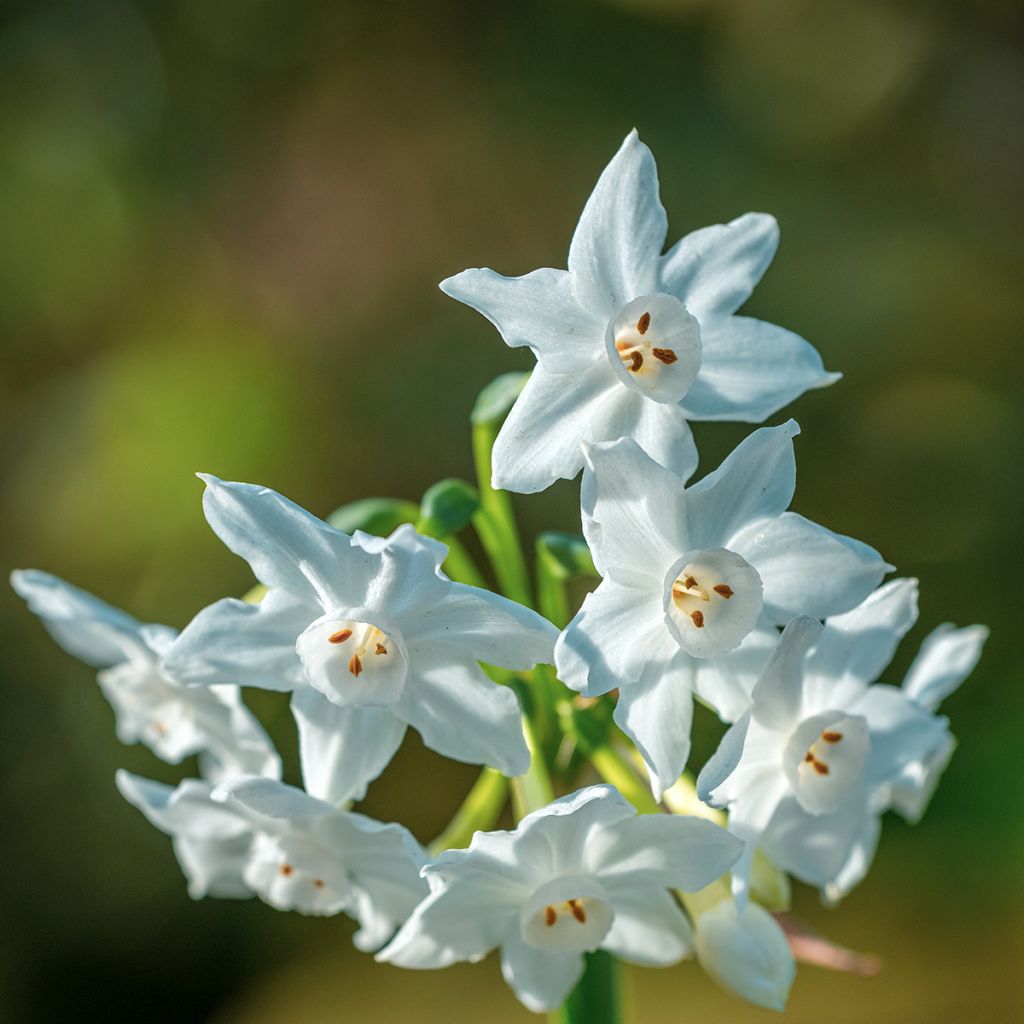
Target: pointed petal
column 285, row 545
column 247, row 644
column 947, row 657
column 807, row 569
column 714, row 270
column 539, row 310
column 485, row 625
column 260, row 799
column 622, row 227
column 540, row 440
column 342, row 750
column 86, row 627
column 617, row 637
column 460, row 713
column 655, row 712
column 235, row 739
column 777, row 699
column 726, row 681
column 723, row 762
column 858, row 861
column 541, row 980
column 750, row 369
column 649, row 928
column 634, row 512
column 756, row 481
column 660, row 851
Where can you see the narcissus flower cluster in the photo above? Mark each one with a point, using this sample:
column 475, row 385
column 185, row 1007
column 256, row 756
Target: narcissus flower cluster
column 378, row 619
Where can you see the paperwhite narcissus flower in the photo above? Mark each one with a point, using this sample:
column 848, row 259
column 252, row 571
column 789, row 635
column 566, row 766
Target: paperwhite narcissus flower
column 173, row 720
column 633, row 343
column 801, row 772
column 746, row 951
column 688, row 573
column 293, row 851
column 371, row 636
column 581, row 874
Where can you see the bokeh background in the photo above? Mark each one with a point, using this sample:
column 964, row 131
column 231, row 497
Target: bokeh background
column 221, row 228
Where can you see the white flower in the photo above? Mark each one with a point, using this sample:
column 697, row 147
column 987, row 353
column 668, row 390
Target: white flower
column 746, row 951
column 173, row 720
column 371, row 636
column 634, row 343
column 803, row 771
column 581, row 874
column 293, row 851
column 688, row 573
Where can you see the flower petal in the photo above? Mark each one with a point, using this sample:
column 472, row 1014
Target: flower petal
column 248, row 644
column 947, row 657
column 861, row 854
column 86, row 627
column 807, row 569
column 726, row 681
column 622, row 227
column 714, row 269
column 756, row 481
column 460, row 713
column 486, row 626
column 541, row 439
column 777, row 700
column 541, row 979
column 342, row 750
column 649, row 928
column 539, row 309
column 750, row 369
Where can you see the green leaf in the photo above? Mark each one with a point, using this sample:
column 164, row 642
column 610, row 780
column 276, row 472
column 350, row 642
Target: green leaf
column 566, row 554
column 374, row 515
column 493, row 403
column 447, row 507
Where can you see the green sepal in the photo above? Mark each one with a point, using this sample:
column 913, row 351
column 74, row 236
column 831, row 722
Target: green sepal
column 447, row 507
column 495, row 400
column 378, row 516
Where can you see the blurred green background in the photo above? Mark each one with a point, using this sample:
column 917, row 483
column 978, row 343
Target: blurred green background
column 221, row 228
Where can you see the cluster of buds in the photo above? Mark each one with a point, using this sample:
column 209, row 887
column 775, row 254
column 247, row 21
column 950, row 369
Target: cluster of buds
column 379, row 620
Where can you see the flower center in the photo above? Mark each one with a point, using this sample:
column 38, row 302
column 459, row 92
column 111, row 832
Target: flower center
column 713, row 600
column 567, row 915
column 654, row 346
column 352, row 662
column 825, row 759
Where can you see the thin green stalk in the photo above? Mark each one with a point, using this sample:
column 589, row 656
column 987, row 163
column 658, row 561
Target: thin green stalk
column 532, row 791
column 613, row 768
column 478, row 813
column 597, row 999
column 459, row 564
column 552, row 600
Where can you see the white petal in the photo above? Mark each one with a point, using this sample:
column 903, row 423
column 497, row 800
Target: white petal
column 541, row 980
column 660, row 851
column 756, row 481
column 247, row 644
column 777, row 699
column 751, row 369
column 855, row 647
column 649, row 928
column 541, row 439
column 862, row 853
column 485, row 626
column 261, row 799
column 617, row 638
column 285, row 545
column 539, row 310
column 723, row 762
column 726, row 682
column 235, row 738
column 807, row 569
column 622, row 227
column 655, row 711
column 342, row 750
column 947, row 657
column 714, row 270
column 634, row 512
column 460, row 713
column 86, row 627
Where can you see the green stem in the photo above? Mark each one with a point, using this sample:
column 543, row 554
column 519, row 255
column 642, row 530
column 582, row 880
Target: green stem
column 478, row 813
column 613, row 768
column 496, row 522
column 459, row 564
column 597, row 999
column 532, row 791
column 552, row 600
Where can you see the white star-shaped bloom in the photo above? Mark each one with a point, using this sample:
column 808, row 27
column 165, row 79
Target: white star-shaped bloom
column 152, row 707
column 695, row 580
column 581, row 874
column 259, row 836
column 369, row 634
column 804, row 774
column 633, row 343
